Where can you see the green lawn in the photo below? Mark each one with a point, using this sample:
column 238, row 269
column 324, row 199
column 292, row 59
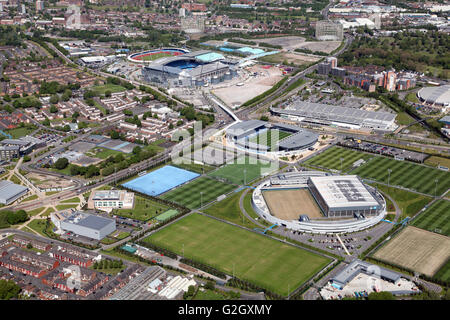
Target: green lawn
column 270, row 138
column 254, row 168
column 266, row 262
column 189, row 195
column 71, row 200
column 38, row 225
column 35, row 211
column 99, row 90
column 65, row 206
column 32, row 197
column 435, row 218
column 103, row 153
column 228, row 209
column 155, row 56
column 406, row 174
column 20, row 132
column 410, row 203
column 444, row 272
column 331, row 158
column 144, row 209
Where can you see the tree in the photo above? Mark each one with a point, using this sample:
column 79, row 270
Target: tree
column 92, row 171
column 209, row 285
column 54, row 99
column 114, row 134
column 9, row 290
column 136, row 150
column 383, row 295
column 26, row 158
column 61, row 163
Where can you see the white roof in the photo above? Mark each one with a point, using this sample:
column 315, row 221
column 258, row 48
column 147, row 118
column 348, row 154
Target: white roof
column 93, row 59
column 343, row 191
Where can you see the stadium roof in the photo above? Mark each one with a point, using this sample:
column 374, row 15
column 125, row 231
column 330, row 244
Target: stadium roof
column 298, row 140
column 9, row 190
column 336, row 113
column 343, row 191
column 437, row 95
column 210, row 57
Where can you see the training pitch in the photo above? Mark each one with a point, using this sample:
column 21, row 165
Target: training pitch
column 254, row 168
column 290, row 204
column 266, row 262
column 189, row 195
column 331, row 158
column 417, row 249
column 406, row 174
column 436, row 218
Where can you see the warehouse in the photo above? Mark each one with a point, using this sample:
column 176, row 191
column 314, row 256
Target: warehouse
column 10, row 192
column 87, row 225
column 343, row 196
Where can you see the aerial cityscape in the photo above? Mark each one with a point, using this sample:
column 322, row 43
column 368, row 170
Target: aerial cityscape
column 241, row 150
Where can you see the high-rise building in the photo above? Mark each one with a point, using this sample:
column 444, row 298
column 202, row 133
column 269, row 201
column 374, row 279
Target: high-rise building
column 390, row 80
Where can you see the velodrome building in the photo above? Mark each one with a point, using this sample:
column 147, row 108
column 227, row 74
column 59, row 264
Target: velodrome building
column 324, row 114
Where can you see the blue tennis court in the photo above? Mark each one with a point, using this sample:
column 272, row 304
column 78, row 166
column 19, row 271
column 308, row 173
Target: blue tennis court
column 161, row 180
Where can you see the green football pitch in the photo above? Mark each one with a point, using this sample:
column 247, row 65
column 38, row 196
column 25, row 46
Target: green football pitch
column 198, row 192
column 270, row 138
column 444, row 272
column 331, row 158
column 265, row 262
column 405, row 174
column 436, row 218
column 244, row 170
column 155, row 56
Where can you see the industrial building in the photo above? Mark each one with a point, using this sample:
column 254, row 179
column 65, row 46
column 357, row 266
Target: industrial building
column 84, row 224
column 329, row 30
column 189, row 69
column 343, row 196
column 325, row 114
column 241, row 134
column 111, row 199
column 10, row 192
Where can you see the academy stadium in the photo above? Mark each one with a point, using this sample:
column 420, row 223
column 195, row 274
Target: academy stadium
column 264, row 137
column 190, row 69
column 318, row 202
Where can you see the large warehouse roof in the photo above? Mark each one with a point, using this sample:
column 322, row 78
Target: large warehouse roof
column 9, row 190
column 343, row 191
column 438, row 95
column 331, row 113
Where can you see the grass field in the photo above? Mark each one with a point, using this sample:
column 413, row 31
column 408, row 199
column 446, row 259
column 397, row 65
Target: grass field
column 65, row 206
column 330, row 158
column 435, row 161
column 410, row 203
column 98, row 90
column 436, row 218
column 144, row 209
column 188, row 195
column 254, row 168
column 104, row 153
column 228, row 209
column 254, row 257
column 270, row 138
column 20, row 132
column 417, row 250
column 406, row 174
column 155, row 56
column 71, row 200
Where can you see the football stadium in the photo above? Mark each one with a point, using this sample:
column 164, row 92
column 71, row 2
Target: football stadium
column 189, row 69
column 150, row 55
column 319, row 202
column 263, row 137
